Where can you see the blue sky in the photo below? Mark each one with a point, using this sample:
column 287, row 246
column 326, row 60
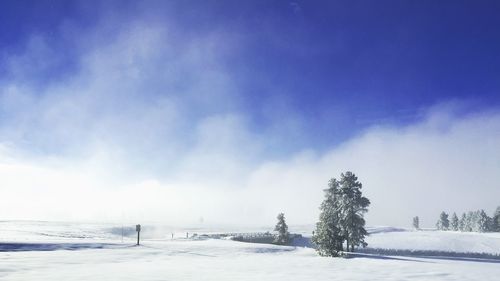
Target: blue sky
column 339, row 65
column 182, row 92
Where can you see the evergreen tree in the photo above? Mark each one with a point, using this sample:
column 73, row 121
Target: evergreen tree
column 341, row 218
column 490, row 227
column 416, row 223
column 474, row 219
column 282, row 229
column 483, row 221
column 328, row 237
column 469, row 221
column 462, row 223
column 454, row 222
column 443, row 222
column 496, row 220
column 353, row 205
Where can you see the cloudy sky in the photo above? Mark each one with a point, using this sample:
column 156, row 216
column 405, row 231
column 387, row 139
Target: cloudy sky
column 232, row 111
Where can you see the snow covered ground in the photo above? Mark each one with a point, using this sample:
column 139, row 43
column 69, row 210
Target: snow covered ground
column 96, row 253
column 449, row 241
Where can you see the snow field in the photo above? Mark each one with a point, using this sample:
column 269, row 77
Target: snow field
column 450, row 241
column 217, row 259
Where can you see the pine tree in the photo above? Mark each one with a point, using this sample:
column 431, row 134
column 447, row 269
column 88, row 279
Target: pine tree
column 283, row 236
column 483, row 221
column 416, row 223
column 469, row 221
column 474, row 218
column 454, row 222
column 341, row 217
column 443, row 222
column 496, row 220
column 353, row 205
column 462, row 222
column 327, row 236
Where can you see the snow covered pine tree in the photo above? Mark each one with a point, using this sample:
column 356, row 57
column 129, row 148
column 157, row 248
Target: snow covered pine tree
column 341, row 217
column 496, row 220
column 454, row 222
column 483, row 221
column 283, row 235
column 443, row 223
column 462, row 224
column 469, row 221
column 327, row 236
column 353, row 206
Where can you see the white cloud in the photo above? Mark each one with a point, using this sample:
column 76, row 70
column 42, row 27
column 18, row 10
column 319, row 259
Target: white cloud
column 149, row 128
column 420, row 169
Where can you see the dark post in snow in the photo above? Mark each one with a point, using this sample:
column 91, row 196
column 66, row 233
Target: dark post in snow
column 138, row 229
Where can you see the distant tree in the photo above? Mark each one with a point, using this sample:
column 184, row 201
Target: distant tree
column 475, row 224
column 283, row 236
column 327, row 236
column 469, row 221
column 416, row 223
column 462, row 223
column 483, row 221
column 496, row 220
column 478, row 221
column 443, row 223
column 454, row 222
column 490, row 226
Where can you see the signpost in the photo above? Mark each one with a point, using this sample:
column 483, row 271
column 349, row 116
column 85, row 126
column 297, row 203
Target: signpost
column 138, row 229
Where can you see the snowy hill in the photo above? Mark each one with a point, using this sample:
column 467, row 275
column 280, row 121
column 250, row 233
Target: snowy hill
column 428, row 240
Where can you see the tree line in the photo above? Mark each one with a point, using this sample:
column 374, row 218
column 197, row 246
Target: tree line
column 472, row 221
